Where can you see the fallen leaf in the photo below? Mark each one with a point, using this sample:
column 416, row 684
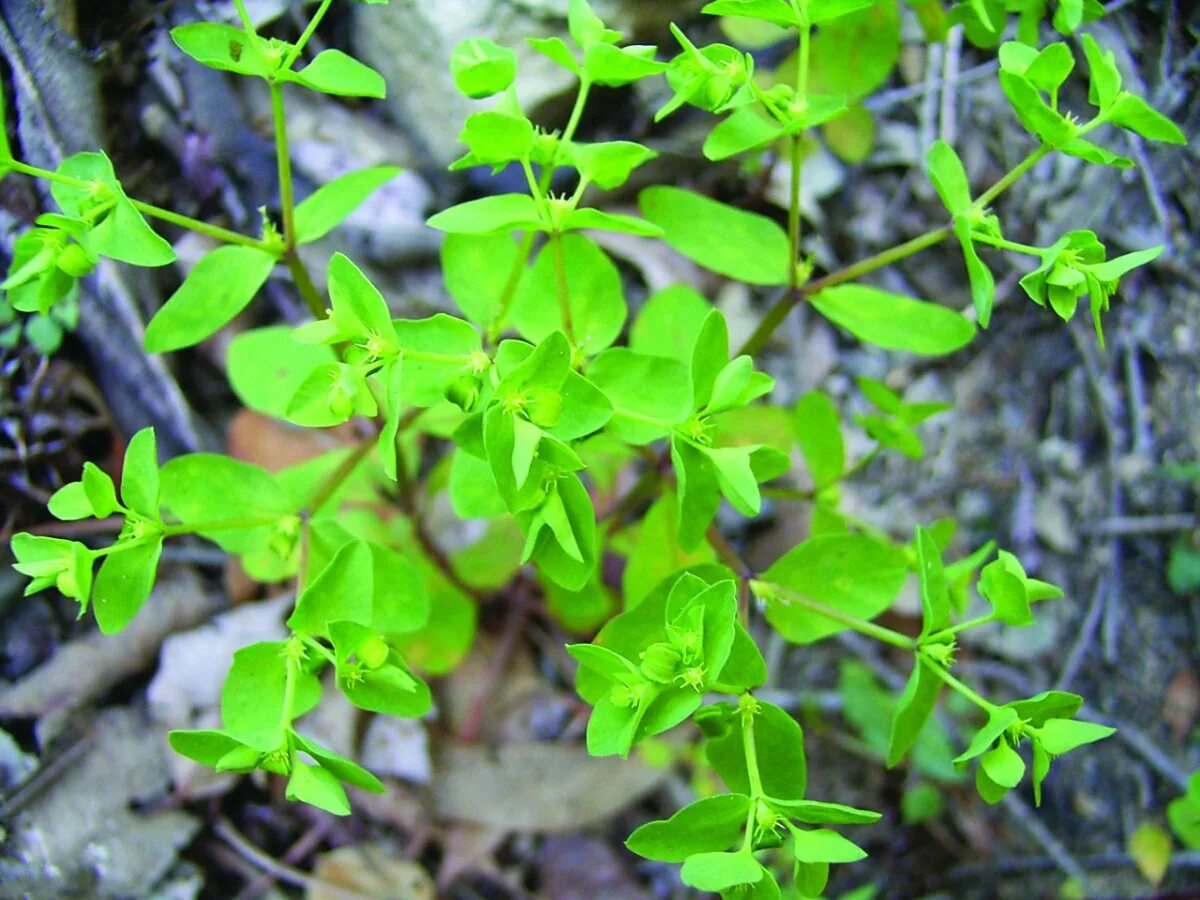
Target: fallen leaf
column 1150, row 847
column 369, row 870
column 1181, row 703
column 537, row 787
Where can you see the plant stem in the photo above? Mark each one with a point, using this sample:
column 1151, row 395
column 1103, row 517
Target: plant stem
column 543, row 185
column 304, row 284
column 215, row 231
column 794, row 224
column 564, row 296
column 778, row 312
column 287, row 199
column 339, row 475
column 959, row 687
column 289, row 691
column 319, row 647
column 937, row 636
column 862, row 626
column 751, row 751
column 244, row 14
column 290, row 59
column 1002, row 244
column 985, row 199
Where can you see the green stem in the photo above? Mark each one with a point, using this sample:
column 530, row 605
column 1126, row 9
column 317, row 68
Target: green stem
column 778, row 312
column 564, row 297
column 244, row 13
column 940, row 636
column 290, row 59
column 1002, row 244
column 287, row 199
column 862, row 626
column 186, row 528
column 750, row 751
column 959, row 687
column 797, row 161
column 304, row 284
column 314, row 644
column 339, row 476
column 526, row 247
column 289, row 692
column 215, row 231
column 985, row 199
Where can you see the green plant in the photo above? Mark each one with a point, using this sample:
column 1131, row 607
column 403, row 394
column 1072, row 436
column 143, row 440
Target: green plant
column 529, row 418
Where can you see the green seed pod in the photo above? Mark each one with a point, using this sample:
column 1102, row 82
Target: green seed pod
column 660, row 662
column 545, row 407
column 373, row 652
column 74, row 261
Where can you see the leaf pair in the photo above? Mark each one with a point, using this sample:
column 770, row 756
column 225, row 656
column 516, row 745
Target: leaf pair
column 129, row 567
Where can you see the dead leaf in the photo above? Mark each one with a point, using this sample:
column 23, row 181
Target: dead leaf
column 370, row 870
column 275, row 445
column 538, row 787
column 1150, row 847
column 1181, row 703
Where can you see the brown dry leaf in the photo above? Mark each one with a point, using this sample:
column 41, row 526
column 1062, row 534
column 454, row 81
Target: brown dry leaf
column 275, row 445
column 469, row 848
column 1181, row 703
column 538, row 787
column 368, row 870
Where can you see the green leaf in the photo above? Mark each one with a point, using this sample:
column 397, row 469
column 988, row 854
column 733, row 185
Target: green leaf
column 711, row 824
column 476, row 269
column 366, row 584
column 201, row 488
column 699, row 494
column 579, row 516
column 5, row 150
column 1006, row 592
column 358, row 306
column 914, row 708
column 435, row 351
column 205, row 747
column 855, row 55
column 556, row 49
column 1134, row 114
column 999, row 719
column 329, row 205
column 779, row 743
column 608, row 164
column 747, row 128
column 1046, row 70
column 489, row 215
column 735, row 476
column 340, row 767
column 656, row 553
column 583, row 219
column 983, row 285
column 935, row 599
column 817, row 812
column 265, row 367
column 777, row 12
column 389, row 688
column 1105, row 82
column 823, row 846
column 482, row 68
column 222, row 47
column 318, row 787
column 610, row 66
column 1059, row 736
column 741, row 245
column 584, row 610
column 721, row 871
column 949, row 177
column 139, row 475
column 497, row 138
column 1047, row 705
column 1037, row 117
column 124, row 582
column 217, row 289
column 894, row 322
column 594, row 295
column 253, row 697
column 70, row 502
column 819, row 433
column 669, row 323
column 337, row 73
column 1092, row 153
column 1003, row 765
column 639, row 415
column 851, row 573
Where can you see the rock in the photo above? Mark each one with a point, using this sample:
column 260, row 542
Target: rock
column 410, row 44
